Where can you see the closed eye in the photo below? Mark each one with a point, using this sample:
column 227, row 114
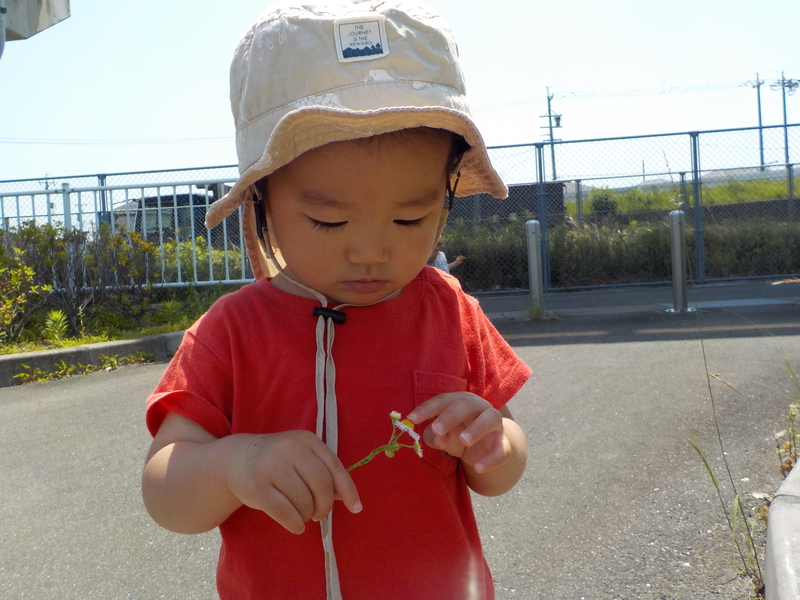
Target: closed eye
column 324, row 226
column 409, row 224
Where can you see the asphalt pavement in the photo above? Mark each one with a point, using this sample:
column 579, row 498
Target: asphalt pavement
column 615, row 503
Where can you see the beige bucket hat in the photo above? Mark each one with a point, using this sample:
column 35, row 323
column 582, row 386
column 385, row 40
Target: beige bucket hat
column 307, row 75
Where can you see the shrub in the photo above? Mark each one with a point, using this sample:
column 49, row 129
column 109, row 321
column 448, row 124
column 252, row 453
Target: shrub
column 87, row 271
column 496, row 256
column 198, row 262
column 20, row 296
column 603, row 202
column 599, row 255
column 57, row 257
column 751, row 249
column 734, row 191
column 123, row 268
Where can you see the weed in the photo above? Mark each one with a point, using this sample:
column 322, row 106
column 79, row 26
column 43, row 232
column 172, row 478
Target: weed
column 62, row 369
column 535, row 312
column 138, row 357
column 169, row 311
column 56, row 325
column 788, row 442
column 739, row 525
column 109, row 363
column 789, row 439
column 30, row 375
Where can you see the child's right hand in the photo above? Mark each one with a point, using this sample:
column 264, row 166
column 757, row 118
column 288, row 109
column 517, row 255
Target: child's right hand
column 193, row 481
column 293, row 477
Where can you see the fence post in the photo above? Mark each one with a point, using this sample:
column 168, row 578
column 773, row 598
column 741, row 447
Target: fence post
column 677, row 239
column 699, row 229
column 101, row 181
column 67, row 208
column 579, row 202
column 533, row 236
column 541, row 196
column 790, row 185
column 476, row 202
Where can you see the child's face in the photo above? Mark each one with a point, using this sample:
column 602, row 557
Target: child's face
column 356, row 220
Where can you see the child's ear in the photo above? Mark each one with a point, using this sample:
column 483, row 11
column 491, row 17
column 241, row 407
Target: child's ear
column 262, row 191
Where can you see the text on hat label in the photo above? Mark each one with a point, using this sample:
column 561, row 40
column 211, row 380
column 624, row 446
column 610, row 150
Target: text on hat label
column 361, row 38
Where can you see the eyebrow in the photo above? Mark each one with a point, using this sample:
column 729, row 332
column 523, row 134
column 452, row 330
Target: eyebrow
column 423, row 200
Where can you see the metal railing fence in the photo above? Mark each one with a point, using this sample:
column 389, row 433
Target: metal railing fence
column 603, row 206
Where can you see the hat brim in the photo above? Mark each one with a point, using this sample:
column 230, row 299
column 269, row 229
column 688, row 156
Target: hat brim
column 310, row 127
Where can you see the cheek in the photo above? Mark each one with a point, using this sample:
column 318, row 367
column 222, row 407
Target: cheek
column 419, row 251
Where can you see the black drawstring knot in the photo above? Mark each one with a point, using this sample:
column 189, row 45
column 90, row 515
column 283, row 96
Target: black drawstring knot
column 336, row 316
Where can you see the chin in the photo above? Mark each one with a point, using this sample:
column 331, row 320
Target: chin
column 362, row 299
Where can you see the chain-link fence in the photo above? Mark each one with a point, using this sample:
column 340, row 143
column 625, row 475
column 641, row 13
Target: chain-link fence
column 603, row 206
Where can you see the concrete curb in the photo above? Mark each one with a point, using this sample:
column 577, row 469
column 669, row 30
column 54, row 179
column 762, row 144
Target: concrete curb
column 782, row 578
column 162, row 347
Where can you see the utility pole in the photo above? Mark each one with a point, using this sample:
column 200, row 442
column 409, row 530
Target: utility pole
column 791, row 85
column 757, row 84
column 550, row 118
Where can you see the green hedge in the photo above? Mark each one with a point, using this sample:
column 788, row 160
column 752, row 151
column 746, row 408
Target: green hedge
column 602, row 255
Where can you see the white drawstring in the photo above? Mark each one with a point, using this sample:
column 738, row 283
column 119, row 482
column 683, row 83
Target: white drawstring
column 327, row 426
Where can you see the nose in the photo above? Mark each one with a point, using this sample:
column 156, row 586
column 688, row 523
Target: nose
column 369, row 247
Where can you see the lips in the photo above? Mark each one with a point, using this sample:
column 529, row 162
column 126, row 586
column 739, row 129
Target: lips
column 366, row 286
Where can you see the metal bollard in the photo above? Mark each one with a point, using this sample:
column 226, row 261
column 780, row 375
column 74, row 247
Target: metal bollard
column 677, row 237
column 533, row 235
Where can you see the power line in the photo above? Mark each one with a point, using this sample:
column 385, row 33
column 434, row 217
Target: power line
column 589, row 94
column 649, row 91
column 110, row 142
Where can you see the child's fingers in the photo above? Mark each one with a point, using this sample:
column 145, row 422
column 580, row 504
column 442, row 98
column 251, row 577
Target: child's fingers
column 433, row 407
column 279, row 506
column 488, row 421
column 318, row 481
column 491, row 453
column 344, row 488
column 451, row 410
column 293, row 477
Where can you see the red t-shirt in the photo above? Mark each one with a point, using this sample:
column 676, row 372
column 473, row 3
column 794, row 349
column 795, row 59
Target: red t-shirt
column 248, row 366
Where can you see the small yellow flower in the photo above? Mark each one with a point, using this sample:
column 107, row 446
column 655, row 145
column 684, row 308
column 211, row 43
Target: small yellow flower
column 408, row 427
column 399, row 427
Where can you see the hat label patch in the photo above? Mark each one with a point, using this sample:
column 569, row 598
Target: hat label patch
column 361, row 38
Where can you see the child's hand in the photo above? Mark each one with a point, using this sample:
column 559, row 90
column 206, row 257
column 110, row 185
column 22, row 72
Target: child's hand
column 292, row 476
column 466, row 426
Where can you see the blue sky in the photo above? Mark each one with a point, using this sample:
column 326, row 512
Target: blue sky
column 128, row 86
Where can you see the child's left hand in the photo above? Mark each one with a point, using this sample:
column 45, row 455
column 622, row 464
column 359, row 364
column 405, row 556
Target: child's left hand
column 465, row 426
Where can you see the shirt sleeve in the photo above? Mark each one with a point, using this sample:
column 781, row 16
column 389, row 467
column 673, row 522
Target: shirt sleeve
column 496, row 372
column 197, row 385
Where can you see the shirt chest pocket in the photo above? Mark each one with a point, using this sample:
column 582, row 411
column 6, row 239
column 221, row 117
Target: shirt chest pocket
column 426, row 386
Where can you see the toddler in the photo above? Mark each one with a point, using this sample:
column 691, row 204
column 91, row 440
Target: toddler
column 353, row 136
